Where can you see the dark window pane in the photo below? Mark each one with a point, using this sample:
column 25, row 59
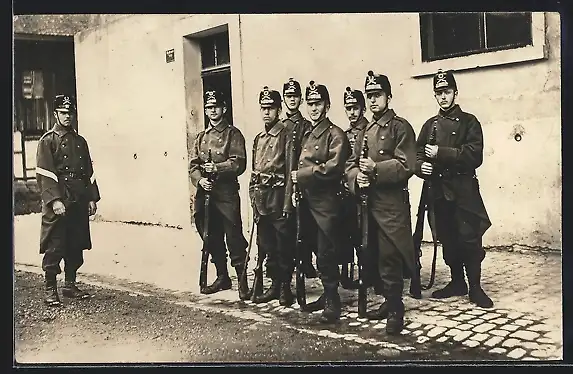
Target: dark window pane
column 207, row 53
column 508, row 30
column 222, row 48
column 456, row 33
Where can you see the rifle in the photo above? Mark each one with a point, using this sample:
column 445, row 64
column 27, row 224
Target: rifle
column 426, row 204
column 299, row 277
column 363, row 209
column 244, row 273
column 205, row 251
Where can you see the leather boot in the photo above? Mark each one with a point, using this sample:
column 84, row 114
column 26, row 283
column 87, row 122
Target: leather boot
column 71, row 290
column 223, row 282
column 244, row 292
column 286, row 297
column 272, row 293
column 380, row 313
column 318, row 304
column 332, row 308
column 395, row 322
column 477, row 294
column 51, row 297
column 456, row 287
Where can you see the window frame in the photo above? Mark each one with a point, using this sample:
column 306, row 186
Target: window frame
column 537, row 51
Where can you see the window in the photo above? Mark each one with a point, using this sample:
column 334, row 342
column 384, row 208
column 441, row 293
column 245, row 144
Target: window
column 215, row 50
column 469, row 40
column 447, row 35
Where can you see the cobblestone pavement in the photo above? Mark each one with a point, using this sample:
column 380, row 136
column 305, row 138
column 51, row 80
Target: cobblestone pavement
column 525, row 323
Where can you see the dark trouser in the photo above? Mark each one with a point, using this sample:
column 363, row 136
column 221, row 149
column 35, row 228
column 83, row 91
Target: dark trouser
column 66, row 241
column 327, row 241
column 349, row 225
column 461, row 243
column 274, row 238
column 223, row 229
column 390, row 264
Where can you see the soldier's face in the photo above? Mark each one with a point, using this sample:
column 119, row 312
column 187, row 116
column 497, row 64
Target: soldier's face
column 353, row 112
column 269, row 115
column 215, row 113
column 446, row 98
column 292, row 102
column 377, row 101
column 65, row 118
column 317, row 109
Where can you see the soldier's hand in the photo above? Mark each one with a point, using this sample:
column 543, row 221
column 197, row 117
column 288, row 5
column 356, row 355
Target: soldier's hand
column 205, row 184
column 92, row 208
column 362, row 180
column 367, row 165
column 58, row 207
column 293, row 176
column 431, row 151
column 427, row 168
column 210, row 167
column 293, row 200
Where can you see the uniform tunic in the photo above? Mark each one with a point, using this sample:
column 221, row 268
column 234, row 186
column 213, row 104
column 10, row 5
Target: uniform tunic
column 227, row 146
column 64, row 172
column 267, row 187
column 325, row 149
column 296, row 124
column 461, row 217
column 392, row 146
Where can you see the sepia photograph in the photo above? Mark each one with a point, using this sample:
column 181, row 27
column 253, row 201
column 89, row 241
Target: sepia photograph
column 287, row 188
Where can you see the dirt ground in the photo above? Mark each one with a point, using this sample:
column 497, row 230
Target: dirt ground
column 121, row 327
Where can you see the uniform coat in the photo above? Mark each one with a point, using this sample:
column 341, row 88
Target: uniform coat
column 64, row 172
column 227, row 146
column 267, row 192
column 392, row 146
column 460, row 152
column 325, row 149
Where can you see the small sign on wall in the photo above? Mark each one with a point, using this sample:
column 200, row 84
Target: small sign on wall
column 170, row 55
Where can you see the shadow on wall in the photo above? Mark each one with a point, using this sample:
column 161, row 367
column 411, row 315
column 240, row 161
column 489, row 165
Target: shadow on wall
column 26, row 197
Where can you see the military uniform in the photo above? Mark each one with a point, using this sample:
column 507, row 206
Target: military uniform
column 391, row 141
column 325, row 150
column 296, row 125
column 64, row 172
column 353, row 235
column 227, row 146
column 267, row 187
column 461, row 216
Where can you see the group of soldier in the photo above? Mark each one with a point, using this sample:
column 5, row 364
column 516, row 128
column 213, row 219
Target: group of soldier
column 314, row 165
column 306, row 179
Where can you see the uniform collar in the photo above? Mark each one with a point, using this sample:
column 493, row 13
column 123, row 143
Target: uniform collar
column 320, row 127
column 386, row 117
column 295, row 117
column 360, row 125
column 220, row 126
column 276, row 129
column 61, row 130
column 452, row 113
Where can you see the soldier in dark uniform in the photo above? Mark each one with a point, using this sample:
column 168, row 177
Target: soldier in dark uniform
column 295, row 123
column 229, row 159
column 461, row 217
column 325, row 150
column 270, row 205
column 69, row 194
column 386, row 171
column 355, row 108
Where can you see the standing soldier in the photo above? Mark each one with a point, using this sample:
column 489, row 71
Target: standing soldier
column 390, row 164
column 270, row 205
column 325, row 150
column 227, row 146
column 295, row 122
column 461, row 217
column 69, row 195
column 355, row 108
